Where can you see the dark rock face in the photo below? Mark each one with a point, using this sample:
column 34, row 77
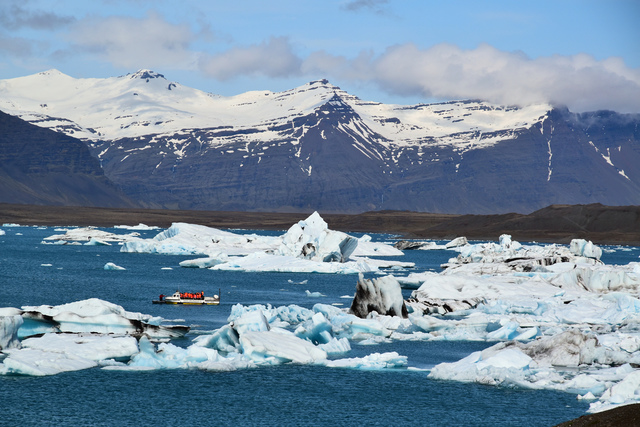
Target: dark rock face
column 40, row 166
column 332, row 161
column 406, row 245
column 382, row 295
column 625, row 415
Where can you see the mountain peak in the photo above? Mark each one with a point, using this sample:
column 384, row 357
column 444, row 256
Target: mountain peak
column 51, row 72
column 145, row 75
column 322, row 83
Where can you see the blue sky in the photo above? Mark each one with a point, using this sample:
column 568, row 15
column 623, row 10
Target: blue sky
column 583, row 54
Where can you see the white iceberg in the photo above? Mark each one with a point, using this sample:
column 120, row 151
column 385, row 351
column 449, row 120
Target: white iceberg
column 97, row 242
column 91, row 235
column 311, row 239
column 457, row 242
column 205, row 262
column 192, row 239
column 585, row 248
column 140, row 227
column 279, row 346
column 112, row 266
column 372, row 361
column 93, row 316
column 367, row 248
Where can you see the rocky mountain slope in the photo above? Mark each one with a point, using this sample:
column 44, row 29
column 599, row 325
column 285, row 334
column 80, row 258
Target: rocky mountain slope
column 317, row 147
column 39, row 166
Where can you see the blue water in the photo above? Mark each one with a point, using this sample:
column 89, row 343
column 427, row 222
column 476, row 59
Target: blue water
column 283, row 395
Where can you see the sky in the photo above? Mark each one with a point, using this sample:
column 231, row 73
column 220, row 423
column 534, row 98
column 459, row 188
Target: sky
column 583, row 54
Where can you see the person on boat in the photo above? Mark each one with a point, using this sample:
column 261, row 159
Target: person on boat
column 161, row 297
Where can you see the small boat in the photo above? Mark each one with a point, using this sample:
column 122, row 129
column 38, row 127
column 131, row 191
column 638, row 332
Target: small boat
column 188, row 298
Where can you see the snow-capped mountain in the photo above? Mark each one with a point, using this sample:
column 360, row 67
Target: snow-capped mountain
column 318, row 147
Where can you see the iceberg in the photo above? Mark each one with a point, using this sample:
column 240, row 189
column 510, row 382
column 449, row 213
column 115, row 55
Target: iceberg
column 311, row 239
column 278, row 346
column 97, row 242
column 204, row 262
column 314, row 294
column 367, row 248
column 510, row 255
column 140, row 226
column 112, row 266
column 91, row 235
column 40, row 363
column 192, row 239
column 457, row 242
column 581, row 247
column 93, row 316
column 372, row 361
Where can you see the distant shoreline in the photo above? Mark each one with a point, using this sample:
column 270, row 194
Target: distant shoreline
column 557, row 223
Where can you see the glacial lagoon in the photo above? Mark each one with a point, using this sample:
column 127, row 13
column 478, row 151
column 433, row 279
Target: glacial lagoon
column 35, row 274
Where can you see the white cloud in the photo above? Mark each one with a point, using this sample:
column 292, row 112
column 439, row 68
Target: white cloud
column 273, row 58
column 447, row 72
column 132, row 43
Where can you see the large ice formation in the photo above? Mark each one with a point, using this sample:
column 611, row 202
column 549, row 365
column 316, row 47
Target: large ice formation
column 89, row 234
column 90, row 316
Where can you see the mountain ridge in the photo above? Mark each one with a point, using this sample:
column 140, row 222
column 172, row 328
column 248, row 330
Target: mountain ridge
column 318, row 147
column 39, row 166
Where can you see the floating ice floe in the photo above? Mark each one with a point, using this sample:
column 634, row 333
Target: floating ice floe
column 52, row 354
column 112, row 266
column 314, row 294
column 91, row 316
column 429, row 245
column 508, row 255
column 91, row 235
column 47, row 340
column 139, row 227
column 205, row 262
